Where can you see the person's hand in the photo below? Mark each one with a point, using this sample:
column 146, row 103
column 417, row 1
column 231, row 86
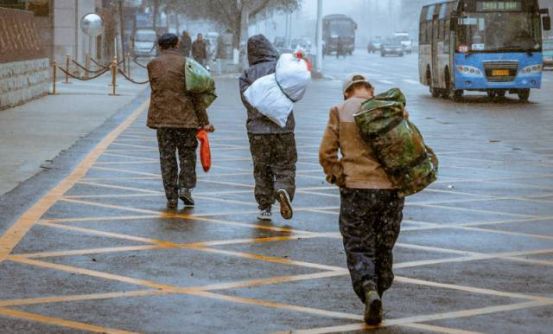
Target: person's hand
column 209, row 128
column 405, row 114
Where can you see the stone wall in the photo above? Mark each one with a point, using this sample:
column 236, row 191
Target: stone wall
column 23, row 81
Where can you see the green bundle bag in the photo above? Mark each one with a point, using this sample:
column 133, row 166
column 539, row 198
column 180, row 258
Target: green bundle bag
column 398, row 144
column 199, row 82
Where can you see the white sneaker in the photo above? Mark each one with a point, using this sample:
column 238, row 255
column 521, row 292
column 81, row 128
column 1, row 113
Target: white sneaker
column 265, row 215
column 283, row 199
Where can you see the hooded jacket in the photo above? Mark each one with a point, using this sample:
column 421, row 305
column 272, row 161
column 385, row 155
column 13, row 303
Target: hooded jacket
column 262, row 58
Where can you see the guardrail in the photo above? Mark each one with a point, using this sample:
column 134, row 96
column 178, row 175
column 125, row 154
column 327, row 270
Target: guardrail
column 91, row 74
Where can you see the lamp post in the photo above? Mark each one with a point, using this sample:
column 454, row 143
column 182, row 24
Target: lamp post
column 319, row 65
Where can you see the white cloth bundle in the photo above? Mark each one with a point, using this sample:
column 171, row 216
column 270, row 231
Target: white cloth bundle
column 274, row 95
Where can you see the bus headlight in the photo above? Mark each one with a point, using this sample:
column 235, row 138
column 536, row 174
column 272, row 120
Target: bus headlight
column 531, row 70
column 469, row 71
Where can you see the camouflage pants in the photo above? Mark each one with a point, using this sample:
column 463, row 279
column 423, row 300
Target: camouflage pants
column 274, row 163
column 183, row 141
column 370, row 222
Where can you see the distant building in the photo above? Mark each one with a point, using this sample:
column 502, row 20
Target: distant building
column 30, row 42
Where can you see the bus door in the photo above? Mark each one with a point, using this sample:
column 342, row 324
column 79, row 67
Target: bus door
column 435, row 39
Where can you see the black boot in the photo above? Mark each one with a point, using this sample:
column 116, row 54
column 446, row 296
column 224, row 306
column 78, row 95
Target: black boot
column 172, row 203
column 185, row 195
column 373, row 305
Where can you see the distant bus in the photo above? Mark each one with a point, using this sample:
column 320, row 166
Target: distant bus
column 482, row 45
column 338, row 26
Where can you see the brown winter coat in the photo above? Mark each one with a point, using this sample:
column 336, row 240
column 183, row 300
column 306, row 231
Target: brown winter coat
column 199, row 50
column 170, row 105
column 358, row 168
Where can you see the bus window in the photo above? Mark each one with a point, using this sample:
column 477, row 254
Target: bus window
column 422, row 29
column 429, row 27
column 430, row 14
column 446, row 35
column 443, row 9
column 430, row 23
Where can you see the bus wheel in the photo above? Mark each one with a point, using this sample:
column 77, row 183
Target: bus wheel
column 524, row 95
column 450, row 92
column 455, row 94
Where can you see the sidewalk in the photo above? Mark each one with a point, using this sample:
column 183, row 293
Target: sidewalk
column 35, row 133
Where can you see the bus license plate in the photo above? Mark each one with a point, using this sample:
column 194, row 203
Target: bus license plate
column 500, row 73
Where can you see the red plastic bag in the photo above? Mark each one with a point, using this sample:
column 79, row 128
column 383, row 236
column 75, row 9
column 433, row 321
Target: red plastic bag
column 205, row 150
column 299, row 54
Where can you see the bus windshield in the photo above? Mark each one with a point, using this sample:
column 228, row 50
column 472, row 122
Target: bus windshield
column 500, row 32
column 342, row 28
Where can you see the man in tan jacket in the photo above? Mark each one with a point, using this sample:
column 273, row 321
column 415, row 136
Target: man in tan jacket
column 371, row 209
column 177, row 116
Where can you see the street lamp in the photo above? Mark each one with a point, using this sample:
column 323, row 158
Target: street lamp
column 319, row 65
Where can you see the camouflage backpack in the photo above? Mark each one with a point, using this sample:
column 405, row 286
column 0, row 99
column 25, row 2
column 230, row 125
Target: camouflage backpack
column 398, row 144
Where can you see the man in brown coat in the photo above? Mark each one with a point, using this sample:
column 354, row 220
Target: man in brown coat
column 177, row 116
column 371, row 209
column 199, row 50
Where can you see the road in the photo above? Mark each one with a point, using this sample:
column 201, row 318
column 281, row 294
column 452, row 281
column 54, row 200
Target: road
column 100, row 253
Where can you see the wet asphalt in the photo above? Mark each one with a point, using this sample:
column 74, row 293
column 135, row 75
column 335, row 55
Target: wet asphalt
column 475, row 253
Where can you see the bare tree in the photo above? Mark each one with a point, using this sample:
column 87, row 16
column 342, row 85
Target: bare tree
column 232, row 14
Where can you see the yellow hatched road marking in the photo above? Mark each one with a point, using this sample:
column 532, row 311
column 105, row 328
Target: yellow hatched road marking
column 61, row 322
column 20, row 228
column 438, row 329
column 76, row 298
column 425, row 318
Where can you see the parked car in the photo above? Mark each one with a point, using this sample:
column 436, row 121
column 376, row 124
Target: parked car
column 548, row 53
column 145, row 43
column 405, row 40
column 374, row 45
column 301, row 43
column 392, row 47
column 280, row 42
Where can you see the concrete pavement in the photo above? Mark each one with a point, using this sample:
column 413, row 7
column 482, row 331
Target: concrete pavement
column 100, row 253
column 32, row 135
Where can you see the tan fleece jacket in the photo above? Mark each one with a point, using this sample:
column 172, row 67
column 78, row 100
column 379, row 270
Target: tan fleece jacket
column 357, row 168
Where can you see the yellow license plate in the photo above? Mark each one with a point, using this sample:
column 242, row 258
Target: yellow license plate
column 500, row 73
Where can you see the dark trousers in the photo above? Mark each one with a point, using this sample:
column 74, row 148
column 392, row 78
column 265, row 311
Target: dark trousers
column 184, row 142
column 370, row 222
column 274, row 162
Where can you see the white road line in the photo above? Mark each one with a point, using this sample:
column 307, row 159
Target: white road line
column 386, row 82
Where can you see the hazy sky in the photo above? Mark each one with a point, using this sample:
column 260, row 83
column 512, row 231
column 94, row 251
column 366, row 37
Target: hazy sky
column 309, row 7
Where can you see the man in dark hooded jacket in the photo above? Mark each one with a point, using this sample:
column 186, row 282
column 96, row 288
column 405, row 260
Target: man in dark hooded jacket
column 273, row 148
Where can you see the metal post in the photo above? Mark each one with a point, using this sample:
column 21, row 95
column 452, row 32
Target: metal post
column 87, row 65
column 129, row 65
column 67, row 61
column 54, row 76
column 115, row 60
column 114, row 76
column 319, row 37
